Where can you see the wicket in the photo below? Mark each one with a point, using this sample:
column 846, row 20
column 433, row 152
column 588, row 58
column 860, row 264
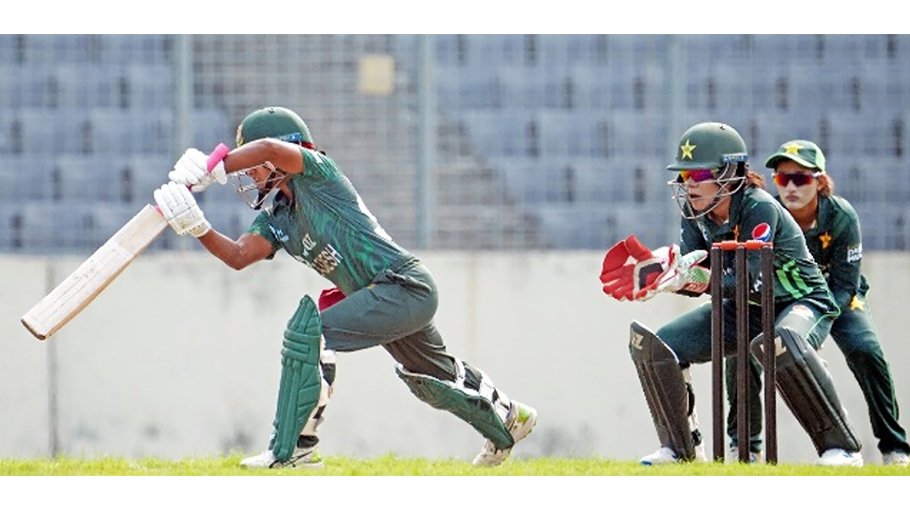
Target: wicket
column 742, row 347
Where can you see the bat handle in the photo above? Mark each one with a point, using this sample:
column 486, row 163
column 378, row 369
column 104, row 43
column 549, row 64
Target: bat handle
column 216, row 156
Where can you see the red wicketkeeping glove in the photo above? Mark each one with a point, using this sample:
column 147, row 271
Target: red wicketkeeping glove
column 631, row 271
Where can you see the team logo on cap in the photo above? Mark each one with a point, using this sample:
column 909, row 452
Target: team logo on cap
column 762, row 232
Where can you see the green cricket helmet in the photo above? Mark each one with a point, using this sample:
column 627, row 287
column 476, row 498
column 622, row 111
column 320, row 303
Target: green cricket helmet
column 270, row 122
column 803, row 152
column 274, row 122
column 709, row 145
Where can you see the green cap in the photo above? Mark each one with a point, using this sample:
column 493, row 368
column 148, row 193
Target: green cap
column 804, row 152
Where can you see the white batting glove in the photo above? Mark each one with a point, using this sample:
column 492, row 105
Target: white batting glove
column 192, row 170
column 181, row 211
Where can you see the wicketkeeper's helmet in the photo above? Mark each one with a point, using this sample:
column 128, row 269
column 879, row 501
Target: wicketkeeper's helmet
column 709, row 145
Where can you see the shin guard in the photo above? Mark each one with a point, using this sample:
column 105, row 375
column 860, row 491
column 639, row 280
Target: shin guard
column 669, row 397
column 301, row 378
column 805, row 385
column 484, row 408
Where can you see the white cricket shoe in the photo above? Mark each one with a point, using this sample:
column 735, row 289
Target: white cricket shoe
column 754, row 457
column 838, row 457
column 895, row 459
column 519, row 422
column 301, row 458
column 665, row 455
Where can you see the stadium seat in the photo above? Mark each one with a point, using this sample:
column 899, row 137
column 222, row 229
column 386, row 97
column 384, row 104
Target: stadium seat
column 26, row 86
column 89, row 85
column 57, row 130
column 115, row 131
column 151, row 86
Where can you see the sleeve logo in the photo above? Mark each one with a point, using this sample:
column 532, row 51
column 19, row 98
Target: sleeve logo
column 855, row 253
column 762, row 232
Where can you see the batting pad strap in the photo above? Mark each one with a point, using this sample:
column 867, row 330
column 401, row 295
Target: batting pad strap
column 808, row 390
column 476, row 408
column 668, row 396
column 301, row 379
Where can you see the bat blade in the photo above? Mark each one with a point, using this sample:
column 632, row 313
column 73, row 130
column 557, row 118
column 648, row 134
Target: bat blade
column 81, row 287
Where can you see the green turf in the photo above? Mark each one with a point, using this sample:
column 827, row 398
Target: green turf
column 397, row 466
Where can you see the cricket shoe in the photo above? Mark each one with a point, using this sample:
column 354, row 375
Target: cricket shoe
column 895, row 459
column 304, row 458
column 519, row 422
column 754, row 457
column 665, row 455
column 838, row 457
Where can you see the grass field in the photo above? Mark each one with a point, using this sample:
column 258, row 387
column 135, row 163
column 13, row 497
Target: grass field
column 398, row 483
column 397, row 466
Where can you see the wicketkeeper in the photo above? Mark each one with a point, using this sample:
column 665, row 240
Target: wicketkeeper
column 384, row 295
column 721, row 199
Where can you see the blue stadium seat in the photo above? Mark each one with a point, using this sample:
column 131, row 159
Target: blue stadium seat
column 786, row 47
column 638, row 134
column 775, row 128
column 852, row 49
column 870, row 179
column 91, row 178
column 46, row 131
column 136, row 49
column 52, row 49
column 211, row 127
column 151, row 86
column 115, row 131
column 26, row 86
column 884, row 225
column 863, row 134
column 30, row 177
column 530, row 89
column 89, row 86
column 10, row 49
column 566, row 133
column 145, row 174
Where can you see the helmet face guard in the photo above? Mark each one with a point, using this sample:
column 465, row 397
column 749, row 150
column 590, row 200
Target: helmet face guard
column 714, row 146
column 251, row 192
column 729, row 179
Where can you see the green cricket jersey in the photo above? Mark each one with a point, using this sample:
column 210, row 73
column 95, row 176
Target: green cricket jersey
column 327, row 226
column 836, row 244
column 755, row 214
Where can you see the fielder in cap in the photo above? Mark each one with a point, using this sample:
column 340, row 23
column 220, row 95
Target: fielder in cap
column 383, row 295
column 832, row 231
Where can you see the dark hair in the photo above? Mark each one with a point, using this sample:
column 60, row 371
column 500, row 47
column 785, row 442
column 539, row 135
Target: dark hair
column 753, row 179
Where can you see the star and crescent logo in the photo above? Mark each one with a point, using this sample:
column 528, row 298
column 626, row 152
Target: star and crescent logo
column 687, row 149
column 793, row 148
column 825, row 240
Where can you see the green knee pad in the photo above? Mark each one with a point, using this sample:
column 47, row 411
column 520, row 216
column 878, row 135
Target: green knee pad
column 465, row 403
column 301, row 381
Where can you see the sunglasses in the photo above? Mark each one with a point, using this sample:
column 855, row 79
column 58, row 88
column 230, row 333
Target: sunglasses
column 800, row 179
column 700, row 175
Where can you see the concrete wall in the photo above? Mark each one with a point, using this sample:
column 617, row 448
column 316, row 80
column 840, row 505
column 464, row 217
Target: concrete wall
column 180, row 357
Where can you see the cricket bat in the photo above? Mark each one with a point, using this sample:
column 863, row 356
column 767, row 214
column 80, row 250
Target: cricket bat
column 81, row 287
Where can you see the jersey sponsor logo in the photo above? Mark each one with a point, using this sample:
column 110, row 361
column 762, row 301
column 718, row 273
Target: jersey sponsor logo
column 762, row 232
column 855, row 253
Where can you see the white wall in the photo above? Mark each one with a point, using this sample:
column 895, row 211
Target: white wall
column 180, row 357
